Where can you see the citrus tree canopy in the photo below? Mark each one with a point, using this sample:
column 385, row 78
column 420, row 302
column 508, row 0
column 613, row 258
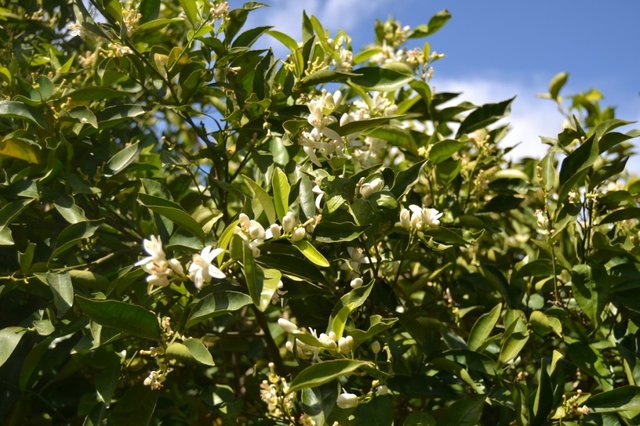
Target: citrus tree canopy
column 196, row 231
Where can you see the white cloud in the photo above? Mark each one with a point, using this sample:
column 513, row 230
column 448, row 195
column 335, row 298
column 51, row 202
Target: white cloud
column 530, row 117
column 286, row 15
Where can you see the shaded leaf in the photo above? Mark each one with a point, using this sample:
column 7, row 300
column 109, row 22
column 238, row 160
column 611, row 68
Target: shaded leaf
column 217, row 303
column 131, row 319
column 324, row 372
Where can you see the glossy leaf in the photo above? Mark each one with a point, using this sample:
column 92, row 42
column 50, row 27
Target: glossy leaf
column 324, row 372
column 311, row 253
column 281, row 189
column 483, row 327
column 73, row 234
column 9, row 339
column 173, row 212
column 347, row 304
column 217, row 303
column 199, row 351
column 131, row 319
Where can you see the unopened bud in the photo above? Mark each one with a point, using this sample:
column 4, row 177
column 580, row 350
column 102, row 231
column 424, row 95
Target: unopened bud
column 287, row 325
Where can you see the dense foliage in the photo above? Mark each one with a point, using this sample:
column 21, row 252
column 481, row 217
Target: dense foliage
column 195, row 231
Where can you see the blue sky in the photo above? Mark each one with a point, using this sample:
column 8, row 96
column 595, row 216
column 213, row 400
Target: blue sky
column 499, row 48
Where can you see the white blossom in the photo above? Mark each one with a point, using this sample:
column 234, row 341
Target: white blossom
column 202, row 270
column 356, row 282
column 371, row 187
column 347, row 400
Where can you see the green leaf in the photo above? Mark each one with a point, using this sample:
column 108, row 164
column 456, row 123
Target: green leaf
column 543, row 402
column 319, row 402
column 269, row 286
column 266, row 202
column 11, row 210
column 149, row 9
column 622, row 214
column 62, row 289
column 366, row 124
column 131, row 319
column 443, row 150
column 325, row 76
column 464, row 412
column 624, row 398
column 543, row 324
column 419, row 418
column 445, row 236
column 484, row 115
column 590, row 286
column 253, row 275
column 377, row 326
column 548, row 171
column 68, row 209
column 332, row 232
column 557, row 82
column 515, row 336
column 199, row 351
column 311, row 253
column 406, row 179
column 135, row 407
column 215, row 304
column 575, row 166
column 347, row 304
column 15, row 109
column 21, row 149
column 326, row 371
column 118, row 113
column 285, row 39
column 173, row 212
column 386, row 78
column 483, row 327
column 96, row 93
column 436, row 22
column 9, row 339
column 190, row 10
column 26, row 259
column 73, row 234
column 123, row 158
column 6, row 238
column 84, row 115
column 281, row 189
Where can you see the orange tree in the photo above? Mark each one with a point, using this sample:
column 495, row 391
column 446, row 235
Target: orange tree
column 193, row 230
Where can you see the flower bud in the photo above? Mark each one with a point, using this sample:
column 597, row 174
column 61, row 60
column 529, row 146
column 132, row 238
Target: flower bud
column 287, row 325
column 382, row 390
column 256, row 230
column 405, row 219
column 244, row 221
column 298, row 234
column 356, row 282
column 345, row 344
column 347, row 400
column 375, row 347
column 288, row 222
column 275, row 230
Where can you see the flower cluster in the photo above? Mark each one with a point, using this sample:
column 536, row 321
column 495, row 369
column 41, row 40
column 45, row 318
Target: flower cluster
column 316, row 343
column 273, row 391
column 322, row 138
column 417, row 218
column 117, row 50
column 253, row 233
column 160, row 269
